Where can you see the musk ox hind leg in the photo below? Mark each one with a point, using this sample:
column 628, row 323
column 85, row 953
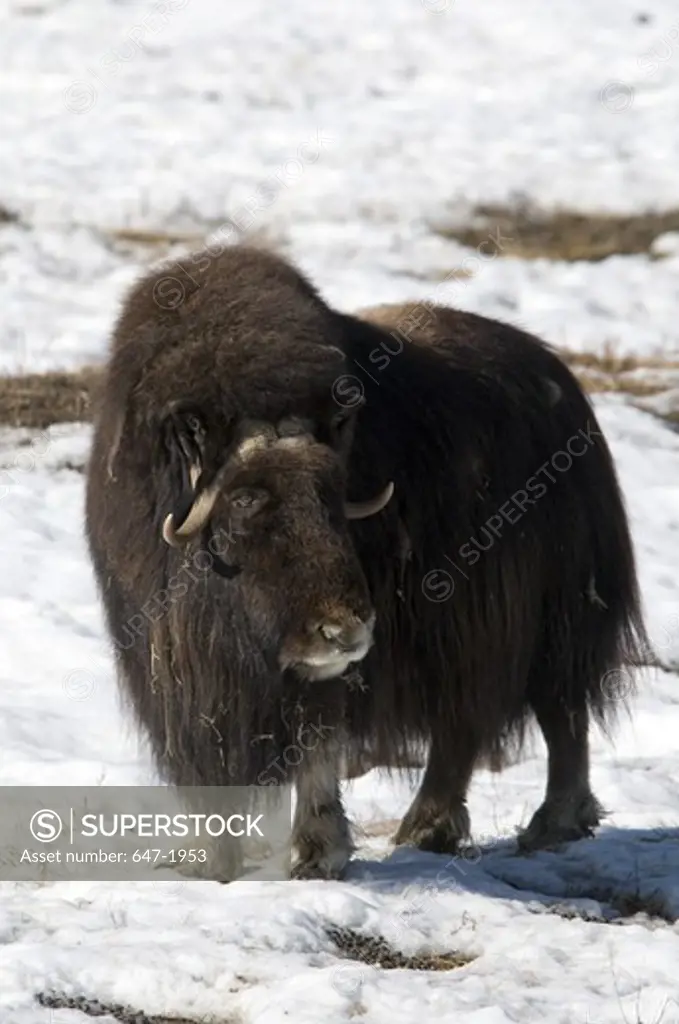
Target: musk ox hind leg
column 437, row 819
column 570, row 810
column 320, row 834
column 592, row 637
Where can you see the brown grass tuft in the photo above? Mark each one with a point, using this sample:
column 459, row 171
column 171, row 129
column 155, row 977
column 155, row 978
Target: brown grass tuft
column 653, row 905
column 8, row 216
column 376, row 952
column 632, row 375
column 36, row 400
column 562, row 234
column 122, row 1014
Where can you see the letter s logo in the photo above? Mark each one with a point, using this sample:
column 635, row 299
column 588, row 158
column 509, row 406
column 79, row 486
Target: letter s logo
column 46, row 826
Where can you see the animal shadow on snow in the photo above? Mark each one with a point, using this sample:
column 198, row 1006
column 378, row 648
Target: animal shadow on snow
column 617, row 875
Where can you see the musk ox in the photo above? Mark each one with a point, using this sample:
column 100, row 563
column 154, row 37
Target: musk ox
column 344, row 536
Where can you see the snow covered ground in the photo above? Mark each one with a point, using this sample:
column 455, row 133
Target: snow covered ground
column 259, row 952
column 343, row 132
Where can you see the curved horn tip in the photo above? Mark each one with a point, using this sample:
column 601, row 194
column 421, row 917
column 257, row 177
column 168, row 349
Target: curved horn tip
column 199, row 513
column 169, row 535
column 363, row 509
column 387, row 493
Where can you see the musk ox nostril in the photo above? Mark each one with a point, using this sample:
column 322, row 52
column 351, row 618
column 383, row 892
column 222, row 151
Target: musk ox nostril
column 334, row 633
column 329, row 632
column 351, row 636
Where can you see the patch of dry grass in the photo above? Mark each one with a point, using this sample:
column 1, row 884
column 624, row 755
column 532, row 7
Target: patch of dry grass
column 531, row 233
column 8, row 216
column 122, row 1014
column 454, row 274
column 376, row 952
column 150, row 243
column 633, row 903
column 37, row 400
column 632, row 375
column 626, row 903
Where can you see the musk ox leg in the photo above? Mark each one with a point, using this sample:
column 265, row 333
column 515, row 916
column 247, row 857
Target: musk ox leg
column 320, row 833
column 224, row 863
column 438, row 819
column 218, row 858
column 570, row 810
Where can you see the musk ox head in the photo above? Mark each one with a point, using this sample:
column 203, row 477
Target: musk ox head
column 222, row 431
column 268, row 499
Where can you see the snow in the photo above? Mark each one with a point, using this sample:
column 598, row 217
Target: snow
column 364, row 126
column 260, row 950
column 368, row 123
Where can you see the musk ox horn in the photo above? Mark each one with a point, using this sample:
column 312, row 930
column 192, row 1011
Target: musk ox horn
column 169, row 535
column 363, row 509
column 197, row 517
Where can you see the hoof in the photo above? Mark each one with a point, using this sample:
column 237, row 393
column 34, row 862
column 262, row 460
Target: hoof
column 561, row 821
column 320, row 858
column 326, row 868
column 435, row 834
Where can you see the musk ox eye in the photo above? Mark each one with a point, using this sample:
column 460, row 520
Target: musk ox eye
column 248, row 501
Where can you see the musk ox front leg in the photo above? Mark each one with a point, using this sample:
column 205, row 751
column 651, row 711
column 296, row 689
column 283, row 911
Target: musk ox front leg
column 320, row 835
column 438, row 819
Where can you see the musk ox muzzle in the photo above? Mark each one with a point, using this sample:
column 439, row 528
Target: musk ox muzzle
column 327, row 648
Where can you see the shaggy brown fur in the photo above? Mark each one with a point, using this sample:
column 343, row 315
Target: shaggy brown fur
column 501, row 572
